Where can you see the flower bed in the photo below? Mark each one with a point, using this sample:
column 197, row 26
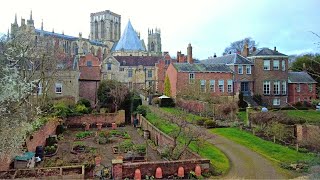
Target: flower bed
column 84, row 135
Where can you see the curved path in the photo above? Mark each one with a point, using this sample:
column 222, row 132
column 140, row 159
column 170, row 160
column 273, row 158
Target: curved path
column 245, row 163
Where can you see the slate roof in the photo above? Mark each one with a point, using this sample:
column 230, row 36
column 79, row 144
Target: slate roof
column 129, row 40
column 62, row 36
column 199, row 67
column 89, row 73
column 137, row 60
column 228, row 59
column 266, row 52
column 300, row 77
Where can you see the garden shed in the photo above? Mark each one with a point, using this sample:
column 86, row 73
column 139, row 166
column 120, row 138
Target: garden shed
column 27, row 160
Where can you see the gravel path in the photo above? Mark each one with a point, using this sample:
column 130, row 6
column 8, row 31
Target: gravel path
column 245, row 163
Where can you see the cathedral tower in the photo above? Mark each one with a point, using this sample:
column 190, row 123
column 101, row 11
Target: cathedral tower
column 154, row 42
column 105, row 26
column 14, row 27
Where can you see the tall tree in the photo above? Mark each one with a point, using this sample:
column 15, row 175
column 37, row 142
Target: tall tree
column 167, row 87
column 238, row 46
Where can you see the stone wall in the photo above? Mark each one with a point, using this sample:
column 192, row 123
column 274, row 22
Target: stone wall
column 93, row 119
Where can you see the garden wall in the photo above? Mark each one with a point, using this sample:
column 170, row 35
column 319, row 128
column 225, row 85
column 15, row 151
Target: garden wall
column 192, row 105
column 93, row 119
column 308, row 135
column 38, row 138
column 160, row 138
column 168, row 167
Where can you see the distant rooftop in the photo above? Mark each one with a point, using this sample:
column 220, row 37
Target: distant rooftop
column 228, row 59
column 137, row 60
column 199, row 67
column 129, row 40
column 62, row 36
column 266, row 52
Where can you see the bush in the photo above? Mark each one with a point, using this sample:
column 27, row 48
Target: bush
column 166, row 102
column 85, row 102
column 155, row 100
column 200, row 122
column 210, row 123
column 81, row 108
column 61, row 110
column 142, row 109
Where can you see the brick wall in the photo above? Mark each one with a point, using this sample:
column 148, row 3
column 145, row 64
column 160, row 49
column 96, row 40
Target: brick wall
column 93, row 119
column 161, row 139
column 38, row 138
column 303, row 95
column 168, row 167
column 88, row 90
column 192, row 105
column 173, row 77
column 261, row 75
column 308, row 134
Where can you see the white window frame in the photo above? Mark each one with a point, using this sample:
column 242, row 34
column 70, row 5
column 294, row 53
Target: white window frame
column 212, row 86
column 221, row 85
column 283, row 65
column 310, row 87
column 240, row 69
column 248, row 69
column 266, row 65
column 276, row 65
column 130, row 73
column 191, row 78
column 149, row 73
column 298, row 87
column 109, row 66
column 276, row 87
column 266, row 87
column 203, row 86
column 276, row 102
column 57, row 86
column 284, row 87
column 230, row 86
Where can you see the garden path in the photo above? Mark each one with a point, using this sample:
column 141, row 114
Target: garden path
column 244, row 163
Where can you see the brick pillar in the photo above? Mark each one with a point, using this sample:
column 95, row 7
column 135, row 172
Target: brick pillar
column 117, row 168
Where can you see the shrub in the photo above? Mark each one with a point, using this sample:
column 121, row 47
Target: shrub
column 155, row 100
column 200, row 122
column 143, row 109
column 85, row 102
column 83, row 134
column 81, row 108
column 61, row 110
column 166, row 102
column 241, row 102
column 140, row 148
column 126, row 145
column 210, row 123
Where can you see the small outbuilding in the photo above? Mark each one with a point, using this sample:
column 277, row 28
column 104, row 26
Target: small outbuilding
column 27, row 160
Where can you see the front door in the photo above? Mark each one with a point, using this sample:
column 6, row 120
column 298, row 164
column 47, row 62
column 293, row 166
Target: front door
column 245, row 88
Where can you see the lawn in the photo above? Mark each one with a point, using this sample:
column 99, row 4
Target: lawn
column 175, row 111
column 268, row 149
column 311, row 116
column 219, row 161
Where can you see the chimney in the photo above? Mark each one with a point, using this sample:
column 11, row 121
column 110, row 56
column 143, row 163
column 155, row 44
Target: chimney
column 189, row 57
column 214, row 56
column 254, row 49
column 245, row 51
column 178, row 56
column 275, row 49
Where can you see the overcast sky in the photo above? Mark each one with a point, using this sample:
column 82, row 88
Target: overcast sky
column 209, row 25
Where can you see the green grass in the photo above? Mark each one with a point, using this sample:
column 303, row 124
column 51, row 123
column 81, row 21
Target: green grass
column 270, row 150
column 311, row 116
column 175, row 111
column 219, row 161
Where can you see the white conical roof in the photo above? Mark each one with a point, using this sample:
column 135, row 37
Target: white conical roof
column 129, row 40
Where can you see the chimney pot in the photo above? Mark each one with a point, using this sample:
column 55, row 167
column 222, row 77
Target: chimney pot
column 275, row 49
column 254, row 49
column 215, row 55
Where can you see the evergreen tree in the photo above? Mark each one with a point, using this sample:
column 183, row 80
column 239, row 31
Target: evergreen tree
column 167, row 87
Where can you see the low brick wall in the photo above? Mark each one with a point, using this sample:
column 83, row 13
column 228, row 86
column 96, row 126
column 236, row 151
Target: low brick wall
column 93, row 119
column 168, row 167
column 192, row 105
column 308, row 135
column 161, row 139
column 38, row 138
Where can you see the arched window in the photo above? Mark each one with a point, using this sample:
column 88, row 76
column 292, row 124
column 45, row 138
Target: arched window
column 152, row 46
column 102, row 29
column 96, row 29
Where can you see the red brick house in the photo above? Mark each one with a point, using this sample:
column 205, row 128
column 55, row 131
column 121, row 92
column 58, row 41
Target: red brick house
column 243, row 71
column 89, row 67
column 161, row 68
column 301, row 87
column 213, row 78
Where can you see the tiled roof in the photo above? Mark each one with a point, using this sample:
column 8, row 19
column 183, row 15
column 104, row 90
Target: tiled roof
column 129, row 40
column 300, row 77
column 228, row 59
column 137, row 60
column 89, row 73
column 199, row 67
column 267, row 52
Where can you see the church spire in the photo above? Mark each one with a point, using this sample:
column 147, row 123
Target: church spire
column 31, row 15
column 42, row 25
column 15, row 19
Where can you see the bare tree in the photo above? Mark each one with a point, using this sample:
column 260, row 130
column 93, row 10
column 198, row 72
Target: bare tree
column 238, row 46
